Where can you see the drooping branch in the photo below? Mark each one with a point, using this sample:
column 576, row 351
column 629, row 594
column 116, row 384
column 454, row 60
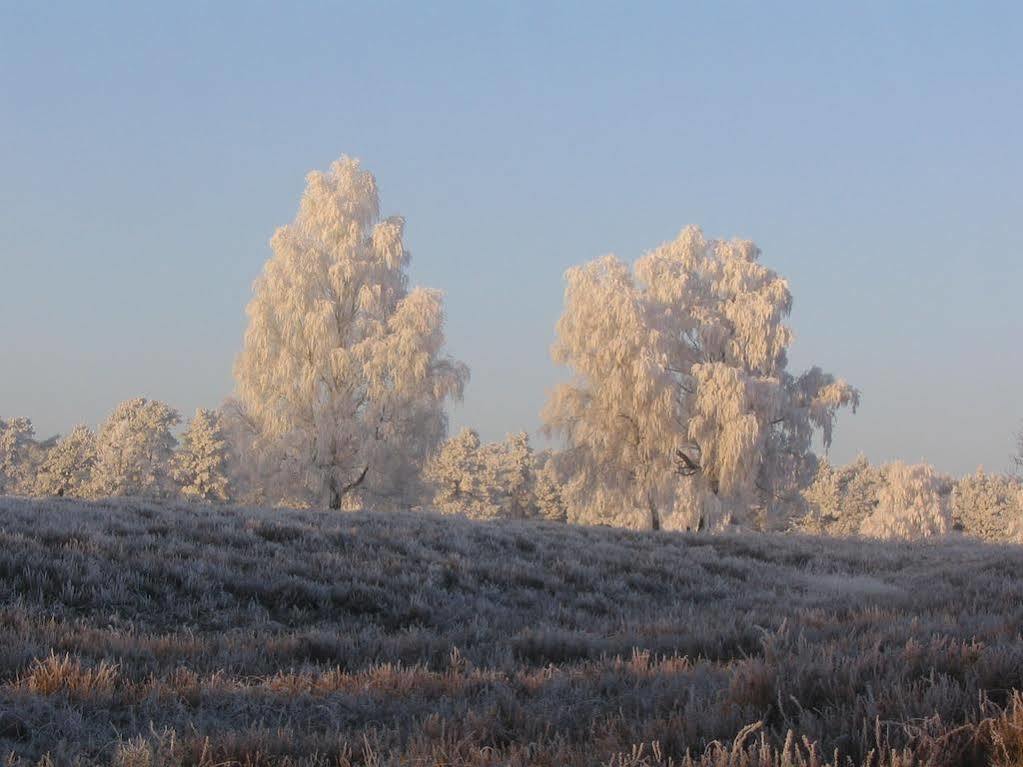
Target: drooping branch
column 685, row 465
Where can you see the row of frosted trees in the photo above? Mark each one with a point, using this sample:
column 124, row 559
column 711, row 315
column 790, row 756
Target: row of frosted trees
column 137, row 455
column 680, row 411
column 134, row 454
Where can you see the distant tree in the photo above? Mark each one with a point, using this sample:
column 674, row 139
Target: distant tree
column 341, row 375
column 15, row 451
column 68, row 466
column 549, row 502
column 484, row 481
column 200, row 464
column 682, row 413
column 912, row 504
column 511, row 468
column 1018, row 459
column 988, row 506
column 839, row 499
column 458, row 473
column 134, row 450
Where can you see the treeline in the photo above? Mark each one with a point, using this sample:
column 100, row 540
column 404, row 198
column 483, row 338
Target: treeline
column 680, row 411
column 911, row 501
column 136, row 454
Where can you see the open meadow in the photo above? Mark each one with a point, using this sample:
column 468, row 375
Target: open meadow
column 140, row 634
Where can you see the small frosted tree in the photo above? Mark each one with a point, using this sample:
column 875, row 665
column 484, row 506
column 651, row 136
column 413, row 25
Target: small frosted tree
column 988, row 506
column 201, row 462
column 912, row 504
column 681, row 412
column 458, row 474
column 68, row 466
column 839, row 499
column 341, row 375
column 134, row 450
column 510, row 467
column 484, row 481
column 16, row 445
column 550, row 504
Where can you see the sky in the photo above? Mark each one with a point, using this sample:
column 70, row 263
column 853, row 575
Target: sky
column 874, row 152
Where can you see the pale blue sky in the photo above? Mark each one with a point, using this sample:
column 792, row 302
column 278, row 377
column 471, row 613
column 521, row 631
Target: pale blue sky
column 874, row 152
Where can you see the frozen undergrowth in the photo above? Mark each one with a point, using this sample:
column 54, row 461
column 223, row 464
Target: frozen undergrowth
column 139, row 634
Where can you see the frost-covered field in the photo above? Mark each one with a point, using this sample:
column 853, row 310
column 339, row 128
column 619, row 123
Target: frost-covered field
column 144, row 635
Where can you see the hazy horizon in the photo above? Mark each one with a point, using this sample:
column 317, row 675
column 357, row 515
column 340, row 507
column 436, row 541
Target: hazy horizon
column 875, row 161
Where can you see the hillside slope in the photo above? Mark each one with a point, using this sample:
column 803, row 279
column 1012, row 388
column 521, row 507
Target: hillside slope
column 139, row 634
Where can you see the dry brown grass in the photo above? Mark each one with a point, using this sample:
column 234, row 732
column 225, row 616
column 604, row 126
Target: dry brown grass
column 135, row 634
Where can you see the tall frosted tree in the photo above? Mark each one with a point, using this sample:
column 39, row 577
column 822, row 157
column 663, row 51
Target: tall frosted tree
column 68, row 466
column 201, row 461
column 682, row 412
column 134, row 450
column 342, row 376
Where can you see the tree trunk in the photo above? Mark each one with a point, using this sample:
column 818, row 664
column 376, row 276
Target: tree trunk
column 335, row 496
column 655, row 518
column 337, row 493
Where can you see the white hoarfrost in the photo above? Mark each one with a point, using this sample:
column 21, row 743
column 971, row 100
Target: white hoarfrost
column 201, row 461
column 134, row 450
column 341, row 378
column 912, row 503
column 681, row 413
column 67, row 469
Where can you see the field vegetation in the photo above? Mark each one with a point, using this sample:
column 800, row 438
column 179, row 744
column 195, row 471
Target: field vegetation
column 134, row 633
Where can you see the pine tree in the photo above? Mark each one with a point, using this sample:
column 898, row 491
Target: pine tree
column 200, row 463
column 550, row 505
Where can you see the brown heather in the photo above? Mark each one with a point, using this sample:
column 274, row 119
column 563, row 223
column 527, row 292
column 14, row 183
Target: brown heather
column 143, row 635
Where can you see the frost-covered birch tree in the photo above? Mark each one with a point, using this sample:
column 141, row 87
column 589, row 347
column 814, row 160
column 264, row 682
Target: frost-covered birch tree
column 134, row 450
column 200, row 463
column 682, row 412
column 342, row 376
column 912, row 503
column 68, row 466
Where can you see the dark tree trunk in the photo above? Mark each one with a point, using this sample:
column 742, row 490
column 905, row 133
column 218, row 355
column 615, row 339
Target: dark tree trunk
column 336, row 493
